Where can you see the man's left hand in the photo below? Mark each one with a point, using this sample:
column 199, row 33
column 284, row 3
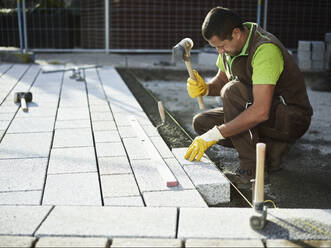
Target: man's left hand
column 201, row 143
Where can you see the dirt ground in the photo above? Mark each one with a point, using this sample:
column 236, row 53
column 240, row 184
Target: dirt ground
column 303, row 182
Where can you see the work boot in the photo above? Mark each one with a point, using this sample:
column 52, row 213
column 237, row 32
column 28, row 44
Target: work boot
column 275, row 150
column 240, row 180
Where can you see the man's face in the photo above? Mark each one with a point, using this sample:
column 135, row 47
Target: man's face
column 231, row 47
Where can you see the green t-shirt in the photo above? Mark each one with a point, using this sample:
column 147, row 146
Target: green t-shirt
column 267, row 64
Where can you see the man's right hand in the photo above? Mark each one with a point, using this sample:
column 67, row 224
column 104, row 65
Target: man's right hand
column 196, row 87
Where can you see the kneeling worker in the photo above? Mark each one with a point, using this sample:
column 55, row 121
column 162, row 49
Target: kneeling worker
column 263, row 92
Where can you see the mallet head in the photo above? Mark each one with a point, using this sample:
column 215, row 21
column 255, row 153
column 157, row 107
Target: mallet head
column 19, row 95
column 183, row 49
column 258, row 219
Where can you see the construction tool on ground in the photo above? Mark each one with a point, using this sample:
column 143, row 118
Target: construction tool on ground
column 76, row 71
column 258, row 219
column 23, row 97
column 183, row 51
column 162, row 113
column 163, row 169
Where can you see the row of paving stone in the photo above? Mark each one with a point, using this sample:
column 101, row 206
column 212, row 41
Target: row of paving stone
column 17, row 241
column 75, row 146
column 162, row 222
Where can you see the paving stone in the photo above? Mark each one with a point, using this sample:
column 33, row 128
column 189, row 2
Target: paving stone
column 317, row 64
column 72, row 137
column 134, row 149
column 149, row 178
column 6, row 117
column 16, row 241
column 99, row 108
column 183, row 198
column 208, row 180
column 318, row 50
column 102, row 116
column 129, row 132
column 73, row 124
column 119, row 185
column 21, row 198
column 40, row 110
column 31, row 125
column 4, row 124
column 111, row 222
column 180, row 174
column 103, row 125
column 124, row 242
column 114, row 165
column 131, row 201
column 128, row 104
column 71, row 160
column 8, row 109
column 162, row 147
column 304, row 45
column 114, row 149
column 21, row 220
column 121, row 118
column 297, row 243
column 282, row 224
column 72, row 189
column 328, row 37
column 107, row 136
column 72, row 242
column 74, row 102
column 22, row 174
column 35, row 145
column 73, row 114
column 223, row 243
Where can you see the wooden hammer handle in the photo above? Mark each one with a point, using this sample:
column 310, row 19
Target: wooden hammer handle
column 259, row 179
column 23, row 104
column 190, row 72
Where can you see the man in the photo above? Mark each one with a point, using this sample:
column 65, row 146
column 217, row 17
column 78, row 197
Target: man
column 263, row 92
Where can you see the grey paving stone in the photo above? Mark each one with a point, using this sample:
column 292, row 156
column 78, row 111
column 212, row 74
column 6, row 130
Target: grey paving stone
column 72, row 137
column 183, row 198
column 40, row 110
column 129, row 132
column 127, row 104
column 22, row 174
column 103, row 125
column 73, row 114
column 162, row 147
column 99, row 108
column 16, row 241
column 122, row 242
column 8, row 109
column 72, row 189
column 107, row 136
column 31, row 125
column 111, row 222
column 114, row 149
column 119, row 185
column 121, row 118
column 71, row 160
column 6, row 117
column 304, row 45
column 114, row 165
column 102, row 116
column 21, row 220
column 4, row 124
column 131, row 201
column 317, row 64
column 134, row 149
column 282, row 224
column 318, row 50
column 180, row 174
column 73, row 124
column 149, row 178
column 72, row 242
column 208, row 180
column 35, row 145
column 74, row 102
column 223, row 243
column 297, row 243
column 21, row 198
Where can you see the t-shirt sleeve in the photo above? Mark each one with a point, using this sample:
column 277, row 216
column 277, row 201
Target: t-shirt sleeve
column 220, row 64
column 268, row 64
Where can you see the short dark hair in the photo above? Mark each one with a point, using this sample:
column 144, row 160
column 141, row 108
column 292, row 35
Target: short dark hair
column 221, row 22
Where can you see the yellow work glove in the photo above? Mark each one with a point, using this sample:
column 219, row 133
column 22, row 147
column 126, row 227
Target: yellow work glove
column 198, row 87
column 201, row 143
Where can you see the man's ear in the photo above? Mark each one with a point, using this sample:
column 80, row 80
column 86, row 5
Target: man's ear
column 236, row 33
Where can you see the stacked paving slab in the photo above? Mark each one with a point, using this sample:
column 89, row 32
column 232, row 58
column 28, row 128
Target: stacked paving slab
column 74, row 167
column 311, row 55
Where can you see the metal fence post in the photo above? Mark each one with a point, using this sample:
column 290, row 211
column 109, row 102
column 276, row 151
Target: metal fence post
column 20, row 24
column 258, row 21
column 107, row 26
column 24, row 27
